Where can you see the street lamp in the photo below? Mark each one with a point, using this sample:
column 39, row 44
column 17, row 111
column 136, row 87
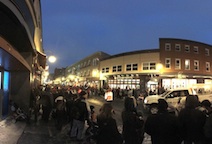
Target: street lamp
column 52, row 59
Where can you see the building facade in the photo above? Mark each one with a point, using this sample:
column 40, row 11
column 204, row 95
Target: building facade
column 178, row 63
column 86, row 71
column 22, row 56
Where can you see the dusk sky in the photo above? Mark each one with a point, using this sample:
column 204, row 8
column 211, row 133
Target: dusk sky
column 75, row 29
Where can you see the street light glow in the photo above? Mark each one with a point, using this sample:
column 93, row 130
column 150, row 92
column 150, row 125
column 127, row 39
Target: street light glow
column 52, row 59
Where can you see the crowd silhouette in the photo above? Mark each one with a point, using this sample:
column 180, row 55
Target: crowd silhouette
column 69, row 105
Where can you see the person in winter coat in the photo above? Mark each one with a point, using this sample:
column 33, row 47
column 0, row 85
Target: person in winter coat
column 208, row 130
column 108, row 132
column 191, row 122
column 81, row 114
column 162, row 126
column 132, row 123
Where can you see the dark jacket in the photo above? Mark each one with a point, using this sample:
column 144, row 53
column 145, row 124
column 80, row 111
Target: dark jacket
column 132, row 128
column 191, row 122
column 108, row 132
column 163, row 128
column 208, row 129
column 80, row 110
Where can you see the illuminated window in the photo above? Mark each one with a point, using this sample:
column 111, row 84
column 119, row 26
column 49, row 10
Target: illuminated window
column 187, row 64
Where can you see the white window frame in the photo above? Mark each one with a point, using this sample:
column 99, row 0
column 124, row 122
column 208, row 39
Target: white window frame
column 167, row 46
column 208, row 66
column 207, row 52
column 187, row 48
column 177, row 47
column 177, row 63
column 196, row 49
column 168, row 63
column 187, row 64
column 149, row 66
column 196, row 65
column 114, row 69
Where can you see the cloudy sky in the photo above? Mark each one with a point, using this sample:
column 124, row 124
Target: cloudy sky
column 74, row 29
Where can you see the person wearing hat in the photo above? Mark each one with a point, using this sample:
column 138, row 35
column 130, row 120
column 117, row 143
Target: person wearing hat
column 162, row 126
column 81, row 112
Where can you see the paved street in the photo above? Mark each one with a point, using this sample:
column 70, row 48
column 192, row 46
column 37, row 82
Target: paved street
column 43, row 133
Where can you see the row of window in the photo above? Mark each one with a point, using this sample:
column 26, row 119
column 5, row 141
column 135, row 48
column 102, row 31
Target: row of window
column 131, row 67
column 187, row 48
column 187, row 64
column 152, row 66
column 95, row 62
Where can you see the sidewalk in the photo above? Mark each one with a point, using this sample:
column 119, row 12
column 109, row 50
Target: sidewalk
column 10, row 131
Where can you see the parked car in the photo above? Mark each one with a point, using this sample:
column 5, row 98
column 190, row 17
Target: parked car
column 174, row 97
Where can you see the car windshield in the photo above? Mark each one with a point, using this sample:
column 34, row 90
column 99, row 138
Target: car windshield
column 164, row 94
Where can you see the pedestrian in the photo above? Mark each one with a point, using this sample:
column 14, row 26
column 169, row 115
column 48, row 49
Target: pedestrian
column 192, row 121
column 162, row 126
column 60, row 112
column 92, row 121
column 133, row 123
column 131, row 95
column 208, row 130
column 80, row 115
column 108, row 132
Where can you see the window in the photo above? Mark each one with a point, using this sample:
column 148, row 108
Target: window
column 208, row 67
column 95, row 61
column 187, row 48
column 128, row 67
column 114, row 68
column 135, row 67
column 187, row 64
column 149, row 66
column 107, row 70
column 103, row 70
column 207, row 52
column 177, row 64
column 168, row 63
column 177, row 47
column 119, row 68
column 196, row 49
column 89, row 62
column 196, row 65
column 167, row 47
column 152, row 66
column 145, row 66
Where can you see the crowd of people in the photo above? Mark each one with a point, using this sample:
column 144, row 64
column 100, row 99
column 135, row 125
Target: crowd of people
column 193, row 124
